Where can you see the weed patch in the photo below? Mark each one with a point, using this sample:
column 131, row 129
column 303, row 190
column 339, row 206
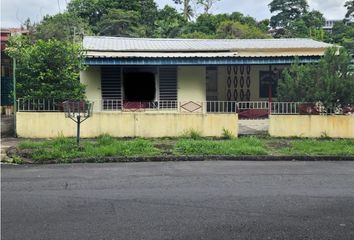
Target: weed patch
column 310, row 147
column 236, row 147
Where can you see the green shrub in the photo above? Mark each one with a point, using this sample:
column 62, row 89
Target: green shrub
column 227, row 134
column 192, row 133
column 104, row 139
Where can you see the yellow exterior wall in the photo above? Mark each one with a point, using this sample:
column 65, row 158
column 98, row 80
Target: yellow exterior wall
column 311, row 126
column 50, row 125
column 255, row 69
column 91, row 78
column 191, row 83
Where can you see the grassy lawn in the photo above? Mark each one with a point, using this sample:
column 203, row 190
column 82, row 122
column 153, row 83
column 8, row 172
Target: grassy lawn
column 103, row 146
column 312, row 147
column 235, row 147
column 64, row 149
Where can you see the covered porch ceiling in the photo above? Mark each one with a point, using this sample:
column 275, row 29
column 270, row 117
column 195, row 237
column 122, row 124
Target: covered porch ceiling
column 201, row 61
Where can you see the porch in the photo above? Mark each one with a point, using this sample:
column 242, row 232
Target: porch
column 204, row 89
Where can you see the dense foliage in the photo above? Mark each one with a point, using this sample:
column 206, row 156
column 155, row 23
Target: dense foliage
column 330, row 81
column 47, row 68
column 350, row 9
column 62, row 26
column 287, row 11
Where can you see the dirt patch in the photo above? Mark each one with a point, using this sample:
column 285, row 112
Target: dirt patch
column 275, row 145
column 165, row 147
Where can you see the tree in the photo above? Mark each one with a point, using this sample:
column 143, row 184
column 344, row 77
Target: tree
column 47, row 69
column 308, row 25
column 120, row 23
column 197, row 35
column 93, row 10
column 343, row 34
column 286, row 11
column 169, row 23
column 230, row 29
column 205, row 23
column 62, row 26
column 208, row 25
column 350, row 9
column 330, row 81
column 147, row 15
column 89, row 10
column 207, row 4
column 188, row 13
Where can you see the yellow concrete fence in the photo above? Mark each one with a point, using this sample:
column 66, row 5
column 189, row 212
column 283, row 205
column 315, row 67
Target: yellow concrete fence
column 50, row 125
column 311, row 126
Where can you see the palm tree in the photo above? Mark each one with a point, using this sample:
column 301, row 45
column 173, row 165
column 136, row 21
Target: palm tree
column 187, row 9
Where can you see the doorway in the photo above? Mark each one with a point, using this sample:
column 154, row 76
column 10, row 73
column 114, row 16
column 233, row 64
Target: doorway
column 139, row 86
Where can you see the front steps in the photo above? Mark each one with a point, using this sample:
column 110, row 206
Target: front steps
column 253, row 126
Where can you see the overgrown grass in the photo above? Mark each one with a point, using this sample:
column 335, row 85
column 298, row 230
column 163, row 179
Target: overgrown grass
column 318, row 147
column 104, row 146
column 241, row 146
column 227, row 134
column 63, row 149
column 192, row 133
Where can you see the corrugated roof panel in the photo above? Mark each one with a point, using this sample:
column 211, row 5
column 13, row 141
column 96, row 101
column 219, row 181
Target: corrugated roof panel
column 95, row 54
column 96, row 43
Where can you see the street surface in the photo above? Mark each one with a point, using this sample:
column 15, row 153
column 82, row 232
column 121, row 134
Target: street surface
column 179, row 201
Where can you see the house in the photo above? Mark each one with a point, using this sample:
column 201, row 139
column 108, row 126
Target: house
column 196, row 75
column 165, row 87
column 6, row 70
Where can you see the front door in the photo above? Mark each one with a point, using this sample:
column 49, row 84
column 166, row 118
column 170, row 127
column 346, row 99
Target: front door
column 211, row 84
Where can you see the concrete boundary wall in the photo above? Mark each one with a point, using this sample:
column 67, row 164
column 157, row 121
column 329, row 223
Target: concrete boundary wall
column 50, row 125
column 311, row 126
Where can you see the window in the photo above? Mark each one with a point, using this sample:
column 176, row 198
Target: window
column 139, row 86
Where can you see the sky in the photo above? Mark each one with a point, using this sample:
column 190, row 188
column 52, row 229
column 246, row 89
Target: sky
column 15, row 12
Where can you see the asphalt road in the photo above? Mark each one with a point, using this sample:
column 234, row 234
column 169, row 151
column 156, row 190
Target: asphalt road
column 186, row 200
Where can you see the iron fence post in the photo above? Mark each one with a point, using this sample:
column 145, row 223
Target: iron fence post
column 78, row 118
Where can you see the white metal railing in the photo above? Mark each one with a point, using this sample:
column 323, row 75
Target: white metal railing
column 39, row 105
column 285, row 108
column 110, row 104
column 276, row 108
column 253, row 105
column 120, row 105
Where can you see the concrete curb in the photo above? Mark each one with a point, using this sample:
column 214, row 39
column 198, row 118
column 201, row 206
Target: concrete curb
column 197, row 159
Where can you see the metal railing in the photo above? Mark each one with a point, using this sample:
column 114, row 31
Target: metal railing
column 285, row 108
column 39, row 105
column 220, row 106
column 111, row 104
column 246, row 108
column 253, row 105
column 120, row 105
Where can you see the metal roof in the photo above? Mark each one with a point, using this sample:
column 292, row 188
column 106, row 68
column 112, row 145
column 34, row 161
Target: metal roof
column 110, row 54
column 120, row 44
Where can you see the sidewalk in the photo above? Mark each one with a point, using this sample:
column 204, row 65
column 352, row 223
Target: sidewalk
column 5, row 144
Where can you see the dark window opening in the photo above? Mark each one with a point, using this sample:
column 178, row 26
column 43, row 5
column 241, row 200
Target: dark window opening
column 267, row 83
column 139, row 86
